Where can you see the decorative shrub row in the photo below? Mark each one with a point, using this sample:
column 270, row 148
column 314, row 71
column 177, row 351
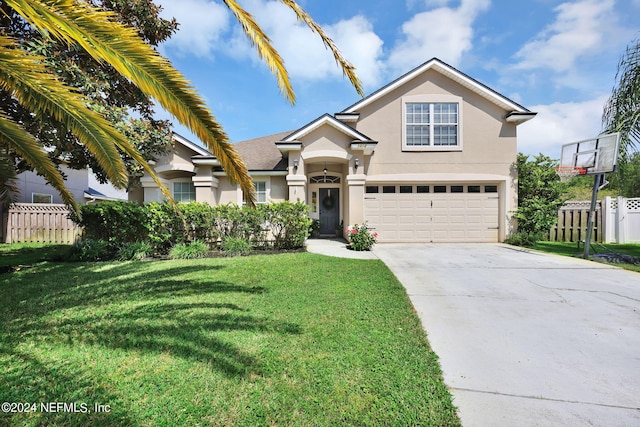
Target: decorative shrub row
column 283, row 225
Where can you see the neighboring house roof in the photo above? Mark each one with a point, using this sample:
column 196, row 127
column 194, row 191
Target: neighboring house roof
column 93, row 194
column 262, row 154
column 447, row 70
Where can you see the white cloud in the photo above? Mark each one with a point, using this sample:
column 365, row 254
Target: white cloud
column 444, row 32
column 580, row 29
column 202, row 23
column 560, row 123
column 303, row 52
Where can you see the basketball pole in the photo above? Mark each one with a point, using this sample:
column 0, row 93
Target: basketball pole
column 592, row 213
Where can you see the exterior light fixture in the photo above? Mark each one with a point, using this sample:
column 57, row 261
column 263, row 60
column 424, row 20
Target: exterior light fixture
column 295, row 166
column 356, row 163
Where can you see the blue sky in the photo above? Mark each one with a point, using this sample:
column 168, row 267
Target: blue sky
column 558, row 58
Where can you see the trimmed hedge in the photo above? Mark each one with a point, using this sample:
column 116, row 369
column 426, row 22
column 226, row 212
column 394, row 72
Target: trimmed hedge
column 282, row 225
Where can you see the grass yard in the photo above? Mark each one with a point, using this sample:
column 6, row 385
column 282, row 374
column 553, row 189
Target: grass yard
column 292, row 339
column 571, row 248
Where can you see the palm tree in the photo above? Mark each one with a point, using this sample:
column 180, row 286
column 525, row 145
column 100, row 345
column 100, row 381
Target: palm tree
column 622, row 111
column 26, row 77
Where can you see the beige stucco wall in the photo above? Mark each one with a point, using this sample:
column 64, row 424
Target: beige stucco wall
column 489, row 143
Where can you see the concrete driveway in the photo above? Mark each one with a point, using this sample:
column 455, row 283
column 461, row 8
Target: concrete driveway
column 525, row 338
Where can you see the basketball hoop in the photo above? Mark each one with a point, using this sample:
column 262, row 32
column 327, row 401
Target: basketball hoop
column 567, row 172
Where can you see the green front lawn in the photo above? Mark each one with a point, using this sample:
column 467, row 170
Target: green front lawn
column 292, row 339
column 571, row 249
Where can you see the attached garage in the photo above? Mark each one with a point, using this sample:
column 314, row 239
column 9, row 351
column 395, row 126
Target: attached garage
column 433, row 213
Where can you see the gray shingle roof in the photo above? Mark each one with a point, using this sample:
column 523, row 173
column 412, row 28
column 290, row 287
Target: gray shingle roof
column 261, row 154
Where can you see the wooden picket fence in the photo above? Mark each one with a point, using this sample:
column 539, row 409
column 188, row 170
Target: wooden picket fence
column 38, row 223
column 572, row 223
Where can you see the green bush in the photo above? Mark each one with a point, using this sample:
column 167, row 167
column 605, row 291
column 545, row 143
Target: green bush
column 289, row 222
column 162, row 227
column 201, row 221
column 165, row 227
column 236, row 246
column 540, row 194
column 232, row 221
column 360, row 238
column 116, row 222
column 91, row 250
column 135, row 251
column 524, row 239
column 192, row 250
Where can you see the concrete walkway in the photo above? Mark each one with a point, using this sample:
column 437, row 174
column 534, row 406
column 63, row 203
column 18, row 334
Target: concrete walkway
column 525, row 338
column 337, row 248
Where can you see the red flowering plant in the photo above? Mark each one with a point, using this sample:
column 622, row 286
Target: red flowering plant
column 360, row 238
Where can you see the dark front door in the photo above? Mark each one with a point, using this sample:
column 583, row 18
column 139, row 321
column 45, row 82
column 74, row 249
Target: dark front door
column 329, row 210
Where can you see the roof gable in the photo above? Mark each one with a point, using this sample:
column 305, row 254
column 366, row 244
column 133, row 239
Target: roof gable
column 200, row 151
column 326, row 119
column 445, row 69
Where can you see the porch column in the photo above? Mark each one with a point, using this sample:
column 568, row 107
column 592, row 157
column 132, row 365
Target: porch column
column 297, row 188
column 206, row 187
column 151, row 190
column 355, row 213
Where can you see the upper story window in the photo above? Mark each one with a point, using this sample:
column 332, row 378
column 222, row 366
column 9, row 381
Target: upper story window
column 431, row 123
column 184, row 191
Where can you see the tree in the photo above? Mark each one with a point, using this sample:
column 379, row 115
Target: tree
column 540, row 194
column 107, row 91
column 28, row 80
column 622, row 114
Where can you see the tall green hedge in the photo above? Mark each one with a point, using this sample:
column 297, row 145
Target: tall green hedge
column 282, row 225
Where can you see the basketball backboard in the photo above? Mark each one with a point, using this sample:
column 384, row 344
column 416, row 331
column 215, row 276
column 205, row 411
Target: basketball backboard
column 596, row 156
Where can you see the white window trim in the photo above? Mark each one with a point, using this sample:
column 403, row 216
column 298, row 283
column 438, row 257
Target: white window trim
column 431, row 99
column 33, row 195
column 182, row 180
column 262, row 178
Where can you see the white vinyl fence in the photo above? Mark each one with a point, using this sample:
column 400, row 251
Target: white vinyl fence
column 621, row 218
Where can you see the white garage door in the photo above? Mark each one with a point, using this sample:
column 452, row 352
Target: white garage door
column 433, row 213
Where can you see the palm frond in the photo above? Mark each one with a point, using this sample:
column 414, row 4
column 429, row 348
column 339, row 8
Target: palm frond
column 347, row 68
column 8, row 188
column 26, row 78
column 265, row 49
column 26, row 146
column 622, row 110
column 106, row 40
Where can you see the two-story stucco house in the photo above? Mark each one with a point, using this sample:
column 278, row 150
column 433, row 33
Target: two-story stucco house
column 426, row 158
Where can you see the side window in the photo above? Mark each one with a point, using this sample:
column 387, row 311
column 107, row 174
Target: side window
column 184, row 191
column 261, row 192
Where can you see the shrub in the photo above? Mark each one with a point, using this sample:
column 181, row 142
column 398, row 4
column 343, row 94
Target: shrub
column 289, row 223
column 201, row 221
column 540, row 194
column 116, row 222
column 360, row 238
column 236, row 246
column 165, row 227
column 91, row 250
column 192, row 250
column 232, row 221
column 135, row 251
column 525, row 239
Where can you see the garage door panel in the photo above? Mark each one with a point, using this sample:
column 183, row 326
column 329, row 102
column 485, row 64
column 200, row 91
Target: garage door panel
column 433, row 217
column 422, row 219
column 405, row 219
